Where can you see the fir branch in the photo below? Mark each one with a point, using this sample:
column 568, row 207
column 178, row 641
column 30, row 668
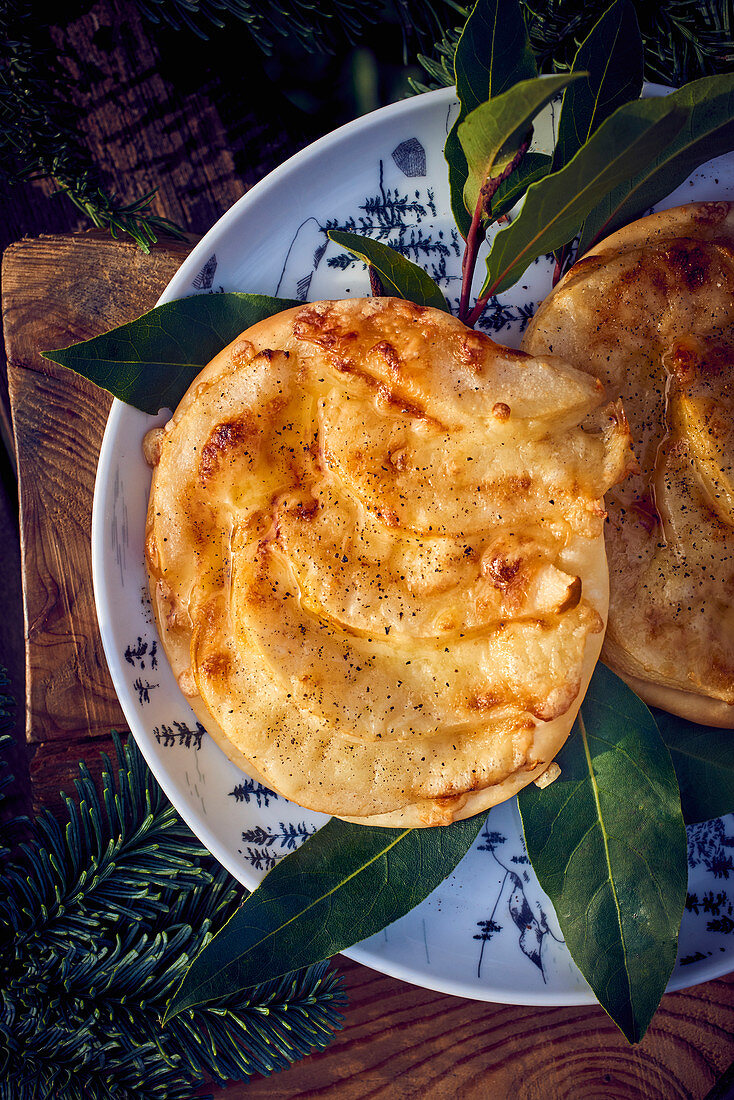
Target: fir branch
column 683, row 39
column 101, row 915
column 319, row 27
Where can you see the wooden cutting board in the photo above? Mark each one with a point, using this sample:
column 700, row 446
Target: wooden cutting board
column 399, row 1040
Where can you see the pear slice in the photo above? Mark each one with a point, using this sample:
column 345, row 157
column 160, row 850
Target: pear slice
column 701, row 409
column 377, row 687
column 428, row 361
column 414, row 475
column 369, row 579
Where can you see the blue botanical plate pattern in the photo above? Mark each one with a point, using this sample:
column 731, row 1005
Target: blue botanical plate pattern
column 488, row 932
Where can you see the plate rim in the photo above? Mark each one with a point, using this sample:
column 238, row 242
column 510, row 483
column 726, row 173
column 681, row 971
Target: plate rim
column 181, row 281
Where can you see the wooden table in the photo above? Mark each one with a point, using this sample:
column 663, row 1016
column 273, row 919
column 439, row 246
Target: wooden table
column 398, row 1041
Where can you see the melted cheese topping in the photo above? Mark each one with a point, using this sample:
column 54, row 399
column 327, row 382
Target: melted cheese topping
column 376, row 554
column 651, row 313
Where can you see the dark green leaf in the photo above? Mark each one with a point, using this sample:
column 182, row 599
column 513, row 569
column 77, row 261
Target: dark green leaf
column 492, row 133
column 150, row 362
column 555, row 207
column 533, row 167
column 612, row 55
column 492, row 54
column 608, row 844
column 344, row 884
column 704, row 763
column 398, row 275
column 708, row 132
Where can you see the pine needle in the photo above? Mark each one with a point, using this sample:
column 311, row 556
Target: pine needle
column 102, row 911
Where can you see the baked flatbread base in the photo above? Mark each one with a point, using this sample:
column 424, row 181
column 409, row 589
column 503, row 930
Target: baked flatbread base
column 376, row 556
column 650, row 311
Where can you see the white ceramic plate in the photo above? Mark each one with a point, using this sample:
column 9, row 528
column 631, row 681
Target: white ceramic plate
column 488, row 932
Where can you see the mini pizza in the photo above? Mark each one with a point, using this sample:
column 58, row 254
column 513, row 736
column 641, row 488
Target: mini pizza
column 376, row 555
column 650, row 312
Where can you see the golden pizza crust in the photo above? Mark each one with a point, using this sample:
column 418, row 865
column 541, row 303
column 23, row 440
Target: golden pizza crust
column 375, row 548
column 650, row 311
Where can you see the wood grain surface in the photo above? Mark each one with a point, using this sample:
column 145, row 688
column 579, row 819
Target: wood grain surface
column 399, row 1041
column 57, row 291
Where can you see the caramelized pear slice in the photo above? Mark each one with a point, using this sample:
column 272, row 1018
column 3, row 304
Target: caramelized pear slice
column 352, row 570
column 377, row 687
column 701, row 408
column 411, row 474
column 430, row 361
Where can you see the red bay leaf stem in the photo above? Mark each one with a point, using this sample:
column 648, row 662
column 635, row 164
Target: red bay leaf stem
column 478, row 232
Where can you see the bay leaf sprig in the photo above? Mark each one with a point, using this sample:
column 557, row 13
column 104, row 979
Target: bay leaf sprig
column 708, row 131
column 612, row 56
column 495, row 138
column 608, row 844
column 607, row 72
column 151, row 362
column 492, row 54
column 555, row 206
column 341, row 886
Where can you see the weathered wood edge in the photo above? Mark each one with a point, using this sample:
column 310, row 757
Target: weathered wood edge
column 56, row 291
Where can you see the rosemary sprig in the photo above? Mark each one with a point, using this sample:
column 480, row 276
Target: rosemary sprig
column 38, row 139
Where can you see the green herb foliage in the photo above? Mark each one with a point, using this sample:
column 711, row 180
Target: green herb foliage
column 704, row 764
column 341, row 886
column 100, row 915
column 708, row 131
column 491, row 135
column 38, row 137
column 493, row 54
column 398, row 275
column 682, row 39
column 321, row 27
column 612, row 57
column 556, row 205
column 608, row 844
column 151, row 362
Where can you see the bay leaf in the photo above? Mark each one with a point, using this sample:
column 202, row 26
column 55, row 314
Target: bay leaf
column 532, row 167
column 342, row 885
column 708, row 132
column 612, row 57
column 608, row 844
column 492, row 54
column 399, row 275
column 555, row 207
column 150, row 362
column 703, row 759
column 492, row 133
